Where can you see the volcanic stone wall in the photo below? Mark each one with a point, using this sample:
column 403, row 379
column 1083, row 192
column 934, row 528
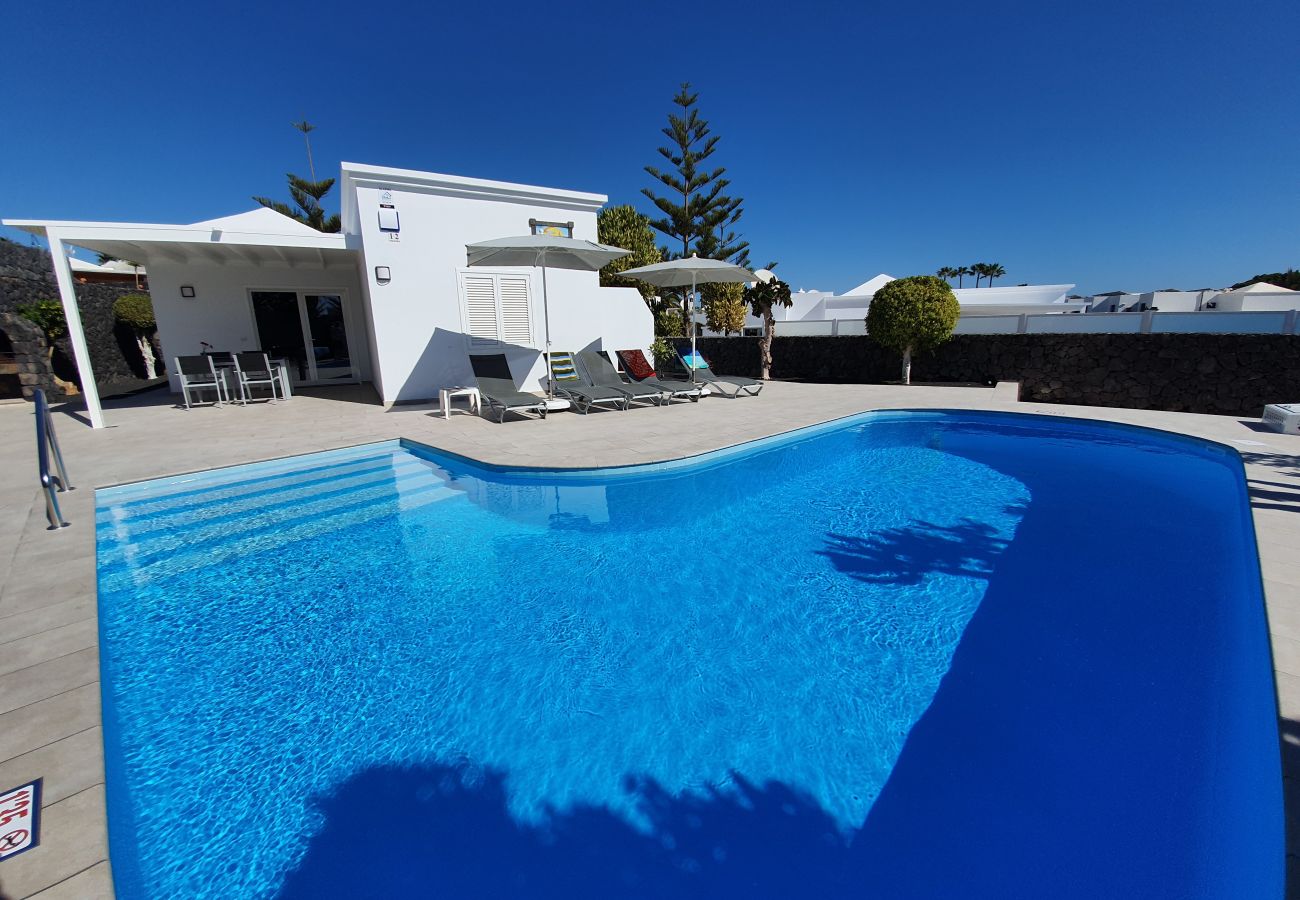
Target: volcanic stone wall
column 1227, row 374
column 26, row 275
column 29, row 368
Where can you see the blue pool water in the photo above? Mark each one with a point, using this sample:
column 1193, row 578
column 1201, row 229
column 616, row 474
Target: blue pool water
column 907, row 654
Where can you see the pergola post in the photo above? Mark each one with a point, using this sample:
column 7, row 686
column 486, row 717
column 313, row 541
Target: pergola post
column 76, row 334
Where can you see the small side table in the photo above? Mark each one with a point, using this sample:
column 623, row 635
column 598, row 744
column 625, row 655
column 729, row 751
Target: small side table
column 446, row 394
column 283, row 365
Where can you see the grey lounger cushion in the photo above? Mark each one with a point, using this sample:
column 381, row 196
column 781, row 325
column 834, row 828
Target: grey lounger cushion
column 497, row 386
column 600, row 372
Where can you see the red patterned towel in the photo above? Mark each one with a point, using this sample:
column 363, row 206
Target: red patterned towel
column 636, row 365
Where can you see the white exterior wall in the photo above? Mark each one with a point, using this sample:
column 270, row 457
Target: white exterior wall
column 1256, row 302
column 804, row 305
column 1114, row 303
column 1172, row 301
column 420, row 341
column 1013, row 294
column 221, row 311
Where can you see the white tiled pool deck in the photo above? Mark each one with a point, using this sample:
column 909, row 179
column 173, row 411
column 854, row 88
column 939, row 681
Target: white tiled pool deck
column 50, row 723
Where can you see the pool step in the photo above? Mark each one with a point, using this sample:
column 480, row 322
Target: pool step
column 143, row 542
column 169, row 553
column 231, row 507
column 206, row 488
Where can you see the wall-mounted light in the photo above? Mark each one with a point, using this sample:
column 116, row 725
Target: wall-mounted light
column 383, row 274
column 187, row 290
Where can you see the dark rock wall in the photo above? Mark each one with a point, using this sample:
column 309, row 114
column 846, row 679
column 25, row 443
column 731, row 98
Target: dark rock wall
column 26, row 275
column 1226, row 374
column 31, row 368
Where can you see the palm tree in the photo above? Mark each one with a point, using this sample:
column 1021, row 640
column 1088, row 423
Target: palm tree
column 977, row 269
column 946, row 272
column 994, row 270
column 307, row 128
column 961, row 272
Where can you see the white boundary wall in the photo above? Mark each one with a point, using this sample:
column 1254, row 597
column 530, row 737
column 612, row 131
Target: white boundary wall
column 1268, row 322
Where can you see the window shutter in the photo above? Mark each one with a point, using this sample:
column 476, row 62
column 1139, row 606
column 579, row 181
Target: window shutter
column 497, row 308
column 516, row 314
column 480, row 309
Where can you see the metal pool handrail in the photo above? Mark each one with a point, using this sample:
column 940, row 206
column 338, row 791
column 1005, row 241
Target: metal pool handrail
column 46, row 445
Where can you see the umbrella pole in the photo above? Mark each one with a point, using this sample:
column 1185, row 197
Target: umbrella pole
column 546, row 318
column 690, row 319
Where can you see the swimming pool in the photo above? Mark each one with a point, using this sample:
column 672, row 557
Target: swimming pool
column 904, row 654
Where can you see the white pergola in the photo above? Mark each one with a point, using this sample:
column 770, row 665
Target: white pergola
column 259, row 237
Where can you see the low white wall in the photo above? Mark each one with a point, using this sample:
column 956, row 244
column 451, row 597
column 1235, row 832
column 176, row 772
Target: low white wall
column 1274, row 322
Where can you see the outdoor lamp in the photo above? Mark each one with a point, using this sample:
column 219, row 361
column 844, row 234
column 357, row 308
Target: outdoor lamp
column 187, row 290
column 383, row 274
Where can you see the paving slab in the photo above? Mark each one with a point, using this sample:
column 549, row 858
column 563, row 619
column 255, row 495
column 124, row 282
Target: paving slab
column 95, row 883
column 68, row 766
column 33, row 726
column 48, row 679
column 35, row 621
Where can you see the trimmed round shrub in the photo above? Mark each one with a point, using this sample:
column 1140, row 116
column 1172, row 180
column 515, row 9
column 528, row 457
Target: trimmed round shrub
column 912, row 315
column 135, row 311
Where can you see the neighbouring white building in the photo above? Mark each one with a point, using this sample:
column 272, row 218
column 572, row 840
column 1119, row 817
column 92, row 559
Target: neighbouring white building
column 849, row 309
column 1258, row 297
column 389, row 300
column 1159, row 301
column 114, row 271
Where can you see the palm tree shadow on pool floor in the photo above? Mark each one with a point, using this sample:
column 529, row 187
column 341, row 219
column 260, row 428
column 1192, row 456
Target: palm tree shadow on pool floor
column 908, row 554
column 447, row 831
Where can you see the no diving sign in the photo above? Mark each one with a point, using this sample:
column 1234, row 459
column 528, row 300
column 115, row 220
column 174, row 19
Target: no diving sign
column 20, row 819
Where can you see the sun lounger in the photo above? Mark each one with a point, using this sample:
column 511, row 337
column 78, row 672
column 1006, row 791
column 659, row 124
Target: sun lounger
column 638, row 368
column 601, row 373
column 703, row 373
column 496, row 387
column 571, row 386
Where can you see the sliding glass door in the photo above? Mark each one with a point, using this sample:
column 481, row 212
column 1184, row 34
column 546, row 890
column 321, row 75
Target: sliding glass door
column 328, row 329
column 309, row 330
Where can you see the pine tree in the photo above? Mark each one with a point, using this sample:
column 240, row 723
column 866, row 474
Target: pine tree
column 307, row 195
column 704, row 218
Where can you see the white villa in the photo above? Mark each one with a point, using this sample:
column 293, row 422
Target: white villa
column 388, row 301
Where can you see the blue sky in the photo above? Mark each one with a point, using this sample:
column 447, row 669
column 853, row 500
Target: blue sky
column 1120, row 145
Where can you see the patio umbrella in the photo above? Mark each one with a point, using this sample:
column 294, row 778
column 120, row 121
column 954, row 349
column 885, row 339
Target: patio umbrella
column 691, row 270
column 546, row 251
